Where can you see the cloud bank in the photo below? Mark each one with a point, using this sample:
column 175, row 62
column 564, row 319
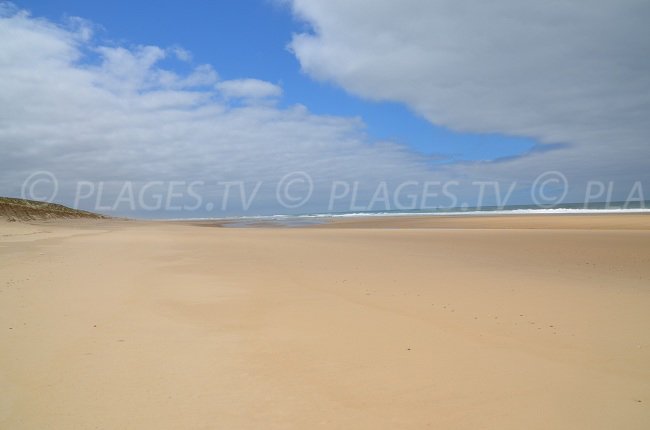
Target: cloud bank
column 572, row 73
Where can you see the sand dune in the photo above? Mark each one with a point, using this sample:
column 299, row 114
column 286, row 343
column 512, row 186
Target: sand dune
column 15, row 209
column 460, row 323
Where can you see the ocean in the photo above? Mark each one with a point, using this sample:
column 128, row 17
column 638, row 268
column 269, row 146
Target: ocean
column 299, row 220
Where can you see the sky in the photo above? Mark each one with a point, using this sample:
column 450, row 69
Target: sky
column 351, row 105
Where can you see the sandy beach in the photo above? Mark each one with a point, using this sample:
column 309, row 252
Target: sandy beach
column 517, row 322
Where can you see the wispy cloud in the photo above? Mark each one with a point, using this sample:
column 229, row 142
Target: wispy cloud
column 248, row 89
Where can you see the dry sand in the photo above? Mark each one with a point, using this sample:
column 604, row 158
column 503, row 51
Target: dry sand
column 460, row 323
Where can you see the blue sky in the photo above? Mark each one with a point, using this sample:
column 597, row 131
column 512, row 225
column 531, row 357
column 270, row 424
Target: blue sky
column 104, row 96
column 249, row 38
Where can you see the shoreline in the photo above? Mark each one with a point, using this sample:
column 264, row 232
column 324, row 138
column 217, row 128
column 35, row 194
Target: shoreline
column 591, row 220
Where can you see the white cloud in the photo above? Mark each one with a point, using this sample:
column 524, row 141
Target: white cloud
column 569, row 72
column 182, row 54
column 248, row 89
column 122, row 117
